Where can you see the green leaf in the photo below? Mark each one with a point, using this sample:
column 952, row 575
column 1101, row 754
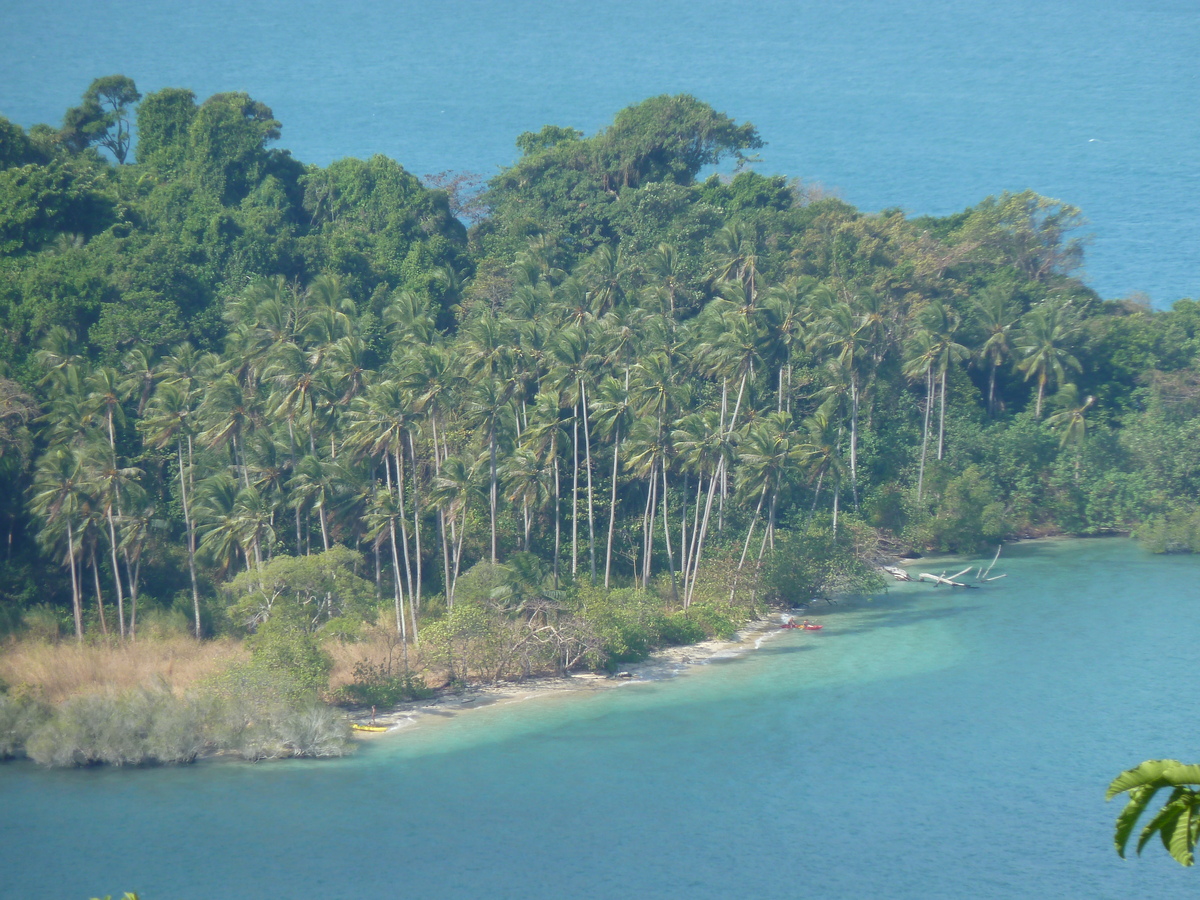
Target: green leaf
column 1139, row 799
column 1182, row 774
column 1180, row 845
column 1162, row 822
column 1150, row 770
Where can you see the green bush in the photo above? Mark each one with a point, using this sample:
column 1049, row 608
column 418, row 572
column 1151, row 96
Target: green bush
column 20, row 716
column 45, row 622
column 374, row 685
column 816, row 564
column 704, row 620
column 627, row 622
column 1176, row 532
column 313, row 731
column 133, row 728
column 257, row 712
column 285, row 646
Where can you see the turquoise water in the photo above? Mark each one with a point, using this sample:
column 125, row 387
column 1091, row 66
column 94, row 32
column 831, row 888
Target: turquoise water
column 928, row 105
column 924, row 745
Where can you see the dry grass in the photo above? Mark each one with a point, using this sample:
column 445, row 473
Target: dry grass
column 375, row 647
column 64, row 670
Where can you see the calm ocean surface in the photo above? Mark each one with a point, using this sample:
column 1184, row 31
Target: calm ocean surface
column 926, row 744
column 927, row 105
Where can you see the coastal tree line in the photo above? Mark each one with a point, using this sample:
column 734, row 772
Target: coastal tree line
column 621, row 377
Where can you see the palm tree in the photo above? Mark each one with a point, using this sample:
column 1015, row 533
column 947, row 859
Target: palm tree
column 490, row 407
column 770, row 451
column 613, row 410
column 382, row 425
column 1070, row 421
column 666, row 267
column 996, row 314
column 1044, row 331
column 429, row 378
column 604, row 272
column 823, row 442
column 384, row 511
column 544, row 438
column 57, row 499
column 229, row 412
column 410, row 319
column 705, row 448
column 452, row 492
column 169, row 416
column 735, row 255
column 233, row 523
column 489, row 363
column 106, row 480
column 574, row 365
column 649, row 451
column 786, row 308
column 921, row 356
column 142, row 376
column 317, row 484
column 844, row 332
column 942, row 323
column 107, row 396
column 734, row 343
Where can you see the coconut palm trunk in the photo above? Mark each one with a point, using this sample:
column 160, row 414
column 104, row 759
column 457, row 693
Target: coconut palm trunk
column 746, row 546
column 942, row 417
column 408, row 572
column 76, row 587
column 612, row 506
column 99, row 594
column 574, row 492
column 925, row 430
column 416, row 487
column 190, row 525
column 667, row 537
column 587, row 447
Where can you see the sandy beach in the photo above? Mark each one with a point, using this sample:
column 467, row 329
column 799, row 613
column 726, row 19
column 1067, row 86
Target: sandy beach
column 662, row 664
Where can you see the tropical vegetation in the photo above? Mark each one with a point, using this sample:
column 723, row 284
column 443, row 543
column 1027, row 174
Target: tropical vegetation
column 617, row 399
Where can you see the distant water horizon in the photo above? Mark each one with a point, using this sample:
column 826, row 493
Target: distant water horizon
column 928, row 106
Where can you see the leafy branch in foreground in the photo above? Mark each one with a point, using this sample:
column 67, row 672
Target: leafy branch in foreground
column 1177, row 823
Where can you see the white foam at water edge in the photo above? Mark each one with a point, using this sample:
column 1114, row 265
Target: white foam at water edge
column 765, row 636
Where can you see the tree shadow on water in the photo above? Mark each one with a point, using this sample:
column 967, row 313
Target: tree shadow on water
column 899, row 612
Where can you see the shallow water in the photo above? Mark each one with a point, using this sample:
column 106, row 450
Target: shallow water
column 928, row 105
column 925, row 744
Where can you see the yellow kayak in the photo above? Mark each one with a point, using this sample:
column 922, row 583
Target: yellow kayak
column 358, row 727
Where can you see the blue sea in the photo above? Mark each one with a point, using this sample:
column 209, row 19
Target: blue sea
column 925, row 105
column 924, row 744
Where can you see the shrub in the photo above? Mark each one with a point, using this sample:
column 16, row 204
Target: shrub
column 283, row 645
column 45, row 622
column 20, row 716
column 158, row 624
column 132, row 728
column 257, row 712
column 703, row 620
column 375, row 685
column 314, row 730
column 1176, row 532
column 817, row 564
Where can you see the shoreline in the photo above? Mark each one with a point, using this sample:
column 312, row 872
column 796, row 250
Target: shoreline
column 661, row 665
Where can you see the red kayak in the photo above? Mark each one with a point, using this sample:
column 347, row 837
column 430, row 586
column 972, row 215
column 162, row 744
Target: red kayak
column 812, row 627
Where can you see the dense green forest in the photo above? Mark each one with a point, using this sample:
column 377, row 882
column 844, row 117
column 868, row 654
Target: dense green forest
column 604, row 376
